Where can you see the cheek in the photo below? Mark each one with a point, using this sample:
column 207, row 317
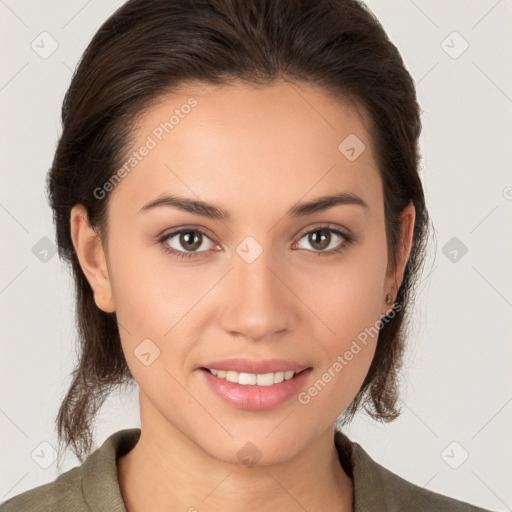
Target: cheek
column 352, row 314
column 151, row 291
column 153, row 300
column 348, row 295
column 349, row 303
column 153, row 314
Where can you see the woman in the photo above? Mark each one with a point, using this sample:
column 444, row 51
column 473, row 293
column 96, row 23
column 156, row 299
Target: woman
column 236, row 189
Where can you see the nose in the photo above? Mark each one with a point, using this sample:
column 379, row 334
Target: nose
column 258, row 302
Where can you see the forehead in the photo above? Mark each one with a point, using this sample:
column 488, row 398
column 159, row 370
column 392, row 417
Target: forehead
column 247, row 146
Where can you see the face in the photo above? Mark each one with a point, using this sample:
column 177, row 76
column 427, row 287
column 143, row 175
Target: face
column 256, row 276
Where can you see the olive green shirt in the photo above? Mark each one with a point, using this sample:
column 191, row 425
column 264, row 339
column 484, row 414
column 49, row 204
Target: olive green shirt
column 94, row 486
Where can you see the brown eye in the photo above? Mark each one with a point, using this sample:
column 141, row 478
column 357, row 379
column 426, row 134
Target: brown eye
column 323, row 238
column 190, row 240
column 186, row 242
column 319, row 239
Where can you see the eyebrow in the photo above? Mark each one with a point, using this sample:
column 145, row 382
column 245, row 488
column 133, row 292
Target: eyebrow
column 214, row 212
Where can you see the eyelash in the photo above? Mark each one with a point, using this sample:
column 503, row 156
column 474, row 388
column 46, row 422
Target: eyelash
column 348, row 240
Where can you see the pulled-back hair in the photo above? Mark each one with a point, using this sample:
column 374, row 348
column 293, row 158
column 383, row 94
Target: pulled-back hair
column 149, row 48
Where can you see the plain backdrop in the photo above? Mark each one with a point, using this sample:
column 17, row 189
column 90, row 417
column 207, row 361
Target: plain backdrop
column 453, row 436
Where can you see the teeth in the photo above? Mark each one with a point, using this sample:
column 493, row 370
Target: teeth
column 252, row 379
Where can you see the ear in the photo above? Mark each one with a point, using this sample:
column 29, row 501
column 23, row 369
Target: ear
column 395, row 278
column 90, row 253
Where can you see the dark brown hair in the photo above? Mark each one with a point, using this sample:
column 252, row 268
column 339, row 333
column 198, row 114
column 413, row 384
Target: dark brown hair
column 148, row 48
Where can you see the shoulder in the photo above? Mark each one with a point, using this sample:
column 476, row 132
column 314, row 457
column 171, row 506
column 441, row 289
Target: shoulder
column 376, row 489
column 64, row 493
column 93, row 485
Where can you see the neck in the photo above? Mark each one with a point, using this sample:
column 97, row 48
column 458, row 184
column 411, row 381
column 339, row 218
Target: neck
column 167, row 471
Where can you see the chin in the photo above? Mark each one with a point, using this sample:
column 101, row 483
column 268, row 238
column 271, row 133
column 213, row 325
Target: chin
column 256, row 449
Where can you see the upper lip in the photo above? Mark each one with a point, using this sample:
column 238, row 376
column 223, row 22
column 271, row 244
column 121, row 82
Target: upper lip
column 251, row 366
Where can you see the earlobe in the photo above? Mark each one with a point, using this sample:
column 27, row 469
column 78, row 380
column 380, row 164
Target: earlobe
column 91, row 257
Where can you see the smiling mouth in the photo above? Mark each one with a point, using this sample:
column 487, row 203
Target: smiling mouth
column 254, row 379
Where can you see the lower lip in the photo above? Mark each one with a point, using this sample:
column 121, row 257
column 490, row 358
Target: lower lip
column 256, row 397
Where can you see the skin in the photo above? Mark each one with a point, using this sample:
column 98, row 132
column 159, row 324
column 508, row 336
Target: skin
column 255, row 153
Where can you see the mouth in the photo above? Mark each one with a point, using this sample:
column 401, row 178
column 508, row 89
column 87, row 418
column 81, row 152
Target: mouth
column 254, row 379
column 255, row 391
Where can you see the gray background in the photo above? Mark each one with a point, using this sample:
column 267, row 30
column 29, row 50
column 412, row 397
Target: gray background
column 457, row 390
